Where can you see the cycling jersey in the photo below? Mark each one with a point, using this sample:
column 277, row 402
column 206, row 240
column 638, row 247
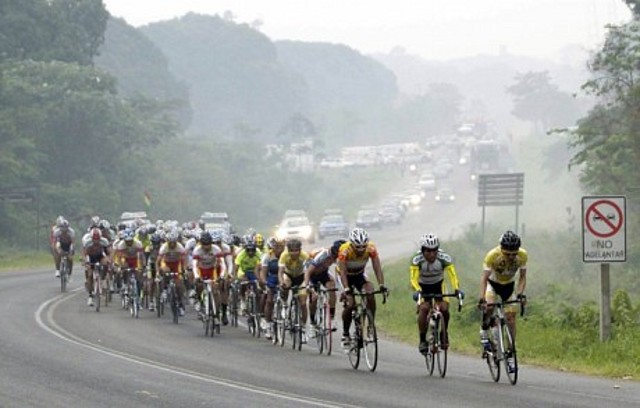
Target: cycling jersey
column 246, row 263
column 130, row 254
column 293, row 267
column 270, row 263
column 423, row 272
column 172, row 257
column 354, row 262
column 205, row 262
column 63, row 239
column 502, row 269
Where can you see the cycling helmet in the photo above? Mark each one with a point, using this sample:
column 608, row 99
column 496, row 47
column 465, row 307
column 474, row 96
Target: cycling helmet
column 95, row 221
column 259, row 240
column 142, row 231
column 205, row 238
column 359, row 237
column 96, row 235
column 59, row 221
column 250, row 246
column 172, row 236
column 294, row 244
column 235, row 240
column 128, row 235
column 336, row 246
column 201, row 224
column 216, row 236
column 429, row 241
column 151, row 229
column 274, row 242
column 156, row 238
column 248, row 239
column 64, row 224
column 510, row 241
column 104, row 224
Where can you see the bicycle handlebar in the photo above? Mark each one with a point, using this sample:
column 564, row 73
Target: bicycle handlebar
column 458, row 295
column 384, row 293
column 509, row 302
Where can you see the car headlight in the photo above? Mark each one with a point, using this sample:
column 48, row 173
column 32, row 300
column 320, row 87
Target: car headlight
column 281, row 234
column 452, row 197
column 437, row 198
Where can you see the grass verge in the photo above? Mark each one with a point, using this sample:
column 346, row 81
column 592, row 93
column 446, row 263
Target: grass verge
column 17, row 260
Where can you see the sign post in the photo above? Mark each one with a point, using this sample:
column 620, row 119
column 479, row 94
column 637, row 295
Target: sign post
column 604, row 240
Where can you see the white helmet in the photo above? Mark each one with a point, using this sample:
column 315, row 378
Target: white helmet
column 429, row 241
column 359, row 237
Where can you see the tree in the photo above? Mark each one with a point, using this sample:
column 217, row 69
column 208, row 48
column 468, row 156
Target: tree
column 62, row 30
column 539, row 101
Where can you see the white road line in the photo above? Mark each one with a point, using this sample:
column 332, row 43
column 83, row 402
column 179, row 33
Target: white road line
column 53, row 328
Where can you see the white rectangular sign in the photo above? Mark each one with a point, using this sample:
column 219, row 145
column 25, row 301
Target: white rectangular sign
column 604, row 233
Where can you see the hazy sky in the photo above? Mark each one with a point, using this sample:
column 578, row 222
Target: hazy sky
column 434, row 29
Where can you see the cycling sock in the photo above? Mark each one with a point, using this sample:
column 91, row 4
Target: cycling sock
column 423, row 337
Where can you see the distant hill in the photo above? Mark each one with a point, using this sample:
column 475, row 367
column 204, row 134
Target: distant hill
column 141, row 67
column 482, row 79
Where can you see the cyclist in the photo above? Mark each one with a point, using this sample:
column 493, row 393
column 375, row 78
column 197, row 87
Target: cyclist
column 426, row 271
column 206, row 266
column 171, row 258
column 95, row 249
column 353, row 257
column 246, row 263
column 130, row 254
column 501, row 264
column 152, row 249
column 291, row 273
column 317, row 271
column 63, row 242
column 225, row 260
column 268, row 276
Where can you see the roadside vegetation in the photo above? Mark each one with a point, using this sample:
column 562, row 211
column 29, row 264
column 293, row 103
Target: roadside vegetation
column 560, row 329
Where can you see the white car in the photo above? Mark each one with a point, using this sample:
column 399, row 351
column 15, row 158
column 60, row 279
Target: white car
column 296, row 227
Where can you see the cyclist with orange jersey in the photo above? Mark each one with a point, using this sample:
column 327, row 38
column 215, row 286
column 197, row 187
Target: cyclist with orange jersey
column 353, row 257
column 172, row 258
column 130, row 254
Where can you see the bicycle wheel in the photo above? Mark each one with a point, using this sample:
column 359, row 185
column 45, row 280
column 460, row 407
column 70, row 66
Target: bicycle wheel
column 251, row 314
column 296, row 328
column 96, row 291
column 133, row 297
column 510, row 357
column 159, row 302
column 63, row 275
column 233, row 305
column 327, row 330
column 441, row 352
column 430, row 355
column 493, row 361
column 107, row 292
column 173, row 302
column 320, row 324
column 279, row 322
column 370, row 340
column 355, row 345
column 211, row 314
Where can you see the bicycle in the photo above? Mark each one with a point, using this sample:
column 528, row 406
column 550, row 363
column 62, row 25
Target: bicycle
column 363, row 334
column 324, row 325
column 437, row 335
column 502, row 343
column 172, row 295
column 210, row 314
column 234, row 302
column 161, row 295
column 279, row 320
column 97, row 287
column 134, row 294
column 293, row 322
column 64, row 271
column 253, row 314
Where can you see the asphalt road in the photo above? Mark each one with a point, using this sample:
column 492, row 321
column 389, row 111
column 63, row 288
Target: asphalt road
column 57, row 352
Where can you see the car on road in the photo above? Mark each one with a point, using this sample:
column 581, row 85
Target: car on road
column 390, row 214
column 333, row 225
column 445, row 194
column 217, row 220
column 297, row 227
column 368, row 218
column 427, row 181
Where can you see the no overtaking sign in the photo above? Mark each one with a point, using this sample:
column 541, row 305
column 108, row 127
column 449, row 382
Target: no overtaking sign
column 604, row 229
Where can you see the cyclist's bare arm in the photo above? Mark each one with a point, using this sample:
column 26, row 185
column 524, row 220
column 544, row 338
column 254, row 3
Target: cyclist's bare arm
column 377, row 268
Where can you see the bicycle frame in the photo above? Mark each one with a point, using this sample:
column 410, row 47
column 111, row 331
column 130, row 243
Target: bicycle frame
column 64, row 271
column 437, row 332
column 503, row 345
column 97, row 287
column 364, row 335
column 324, row 324
column 211, row 316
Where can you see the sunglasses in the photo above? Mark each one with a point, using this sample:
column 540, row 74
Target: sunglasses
column 360, row 247
column 509, row 253
column 430, row 249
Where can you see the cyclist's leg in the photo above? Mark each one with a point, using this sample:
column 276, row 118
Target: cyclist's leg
column 331, row 284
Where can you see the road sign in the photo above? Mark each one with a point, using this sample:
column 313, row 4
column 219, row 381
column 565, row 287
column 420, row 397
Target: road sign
column 604, row 235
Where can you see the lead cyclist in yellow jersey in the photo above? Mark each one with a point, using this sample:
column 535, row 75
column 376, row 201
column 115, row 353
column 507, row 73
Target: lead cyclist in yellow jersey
column 501, row 265
column 291, row 267
column 352, row 260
